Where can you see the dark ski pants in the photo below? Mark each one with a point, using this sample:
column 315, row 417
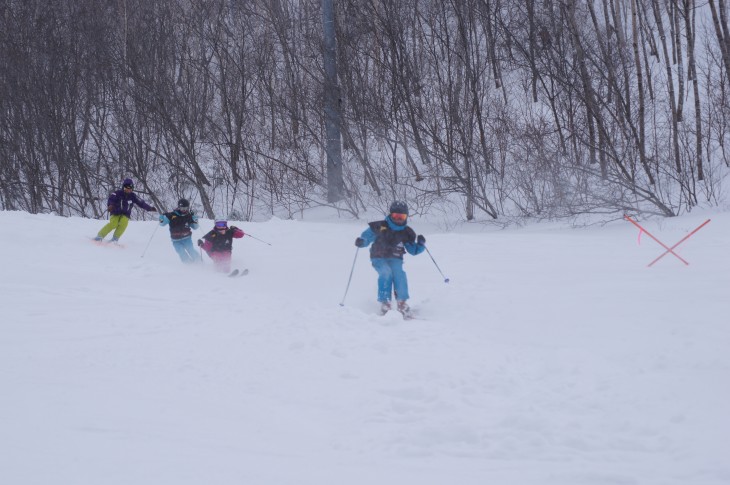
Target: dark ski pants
column 221, row 260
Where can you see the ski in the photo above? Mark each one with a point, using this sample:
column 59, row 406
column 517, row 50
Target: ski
column 106, row 243
column 406, row 316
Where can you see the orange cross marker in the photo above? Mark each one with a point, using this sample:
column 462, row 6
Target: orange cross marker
column 668, row 249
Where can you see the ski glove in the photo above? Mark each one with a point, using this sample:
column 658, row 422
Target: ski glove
column 360, row 242
column 421, row 240
column 200, row 243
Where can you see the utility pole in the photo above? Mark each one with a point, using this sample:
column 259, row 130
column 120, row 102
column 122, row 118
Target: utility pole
column 335, row 183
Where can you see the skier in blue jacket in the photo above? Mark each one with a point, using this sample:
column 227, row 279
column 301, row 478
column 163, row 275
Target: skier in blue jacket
column 182, row 222
column 120, row 205
column 390, row 239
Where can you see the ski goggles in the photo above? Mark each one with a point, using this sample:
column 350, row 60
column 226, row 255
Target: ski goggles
column 221, row 225
column 130, row 187
column 398, row 217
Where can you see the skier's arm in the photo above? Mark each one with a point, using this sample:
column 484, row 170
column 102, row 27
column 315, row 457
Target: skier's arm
column 417, row 247
column 237, row 233
column 367, row 236
column 112, row 202
column 164, row 220
column 144, row 205
column 194, row 217
column 205, row 242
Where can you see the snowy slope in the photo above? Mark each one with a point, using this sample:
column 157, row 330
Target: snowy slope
column 554, row 356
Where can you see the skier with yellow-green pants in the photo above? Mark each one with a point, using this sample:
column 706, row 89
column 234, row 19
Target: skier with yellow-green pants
column 120, row 205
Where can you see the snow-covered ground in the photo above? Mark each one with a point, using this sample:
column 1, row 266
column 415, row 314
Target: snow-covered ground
column 553, row 356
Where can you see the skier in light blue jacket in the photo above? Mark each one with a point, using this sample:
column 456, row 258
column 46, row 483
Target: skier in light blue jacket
column 182, row 221
column 391, row 239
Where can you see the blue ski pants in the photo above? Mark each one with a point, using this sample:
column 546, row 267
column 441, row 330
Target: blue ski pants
column 391, row 277
column 186, row 250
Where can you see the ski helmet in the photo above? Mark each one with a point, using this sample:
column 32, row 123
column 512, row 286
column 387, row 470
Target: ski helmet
column 399, row 207
column 183, row 204
column 128, row 183
column 221, row 223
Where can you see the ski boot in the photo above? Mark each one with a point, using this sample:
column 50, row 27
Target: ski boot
column 384, row 307
column 98, row 239
column 115, row 240
column 404, row 309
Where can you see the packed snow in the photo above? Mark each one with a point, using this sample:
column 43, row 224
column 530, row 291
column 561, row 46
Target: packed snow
column 553, row 356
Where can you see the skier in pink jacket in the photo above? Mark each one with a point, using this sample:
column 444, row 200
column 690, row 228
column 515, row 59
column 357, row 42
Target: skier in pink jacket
column 218, row 244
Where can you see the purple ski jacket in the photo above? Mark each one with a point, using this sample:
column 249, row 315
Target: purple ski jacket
column 120, row 203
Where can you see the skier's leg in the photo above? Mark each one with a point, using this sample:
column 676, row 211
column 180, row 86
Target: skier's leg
column 216, row 257
column 226, row 262
column 121, row 227
column 181, row 250
column 400, row 281
column 109, row 227
column 193, row 255
column 385, row 279
column 222, row 261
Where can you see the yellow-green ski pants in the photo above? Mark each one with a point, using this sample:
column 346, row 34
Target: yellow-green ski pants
column 118, row 224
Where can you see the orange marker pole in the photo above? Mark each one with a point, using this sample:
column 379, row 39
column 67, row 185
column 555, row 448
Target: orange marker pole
column 669, row 250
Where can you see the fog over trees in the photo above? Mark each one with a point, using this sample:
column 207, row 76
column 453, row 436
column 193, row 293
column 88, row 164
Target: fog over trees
column 482, row 109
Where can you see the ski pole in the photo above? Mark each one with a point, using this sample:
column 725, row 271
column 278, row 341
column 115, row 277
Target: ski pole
column 446, row 280
column 342, row 303
column 150, row 241
column 261, row 240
